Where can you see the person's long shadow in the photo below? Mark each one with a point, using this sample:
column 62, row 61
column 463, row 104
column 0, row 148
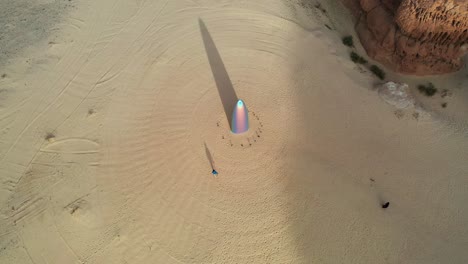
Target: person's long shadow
column 210, row 158
column 223, row 83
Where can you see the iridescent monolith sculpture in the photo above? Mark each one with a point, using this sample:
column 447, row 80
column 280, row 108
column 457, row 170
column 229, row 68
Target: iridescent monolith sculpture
column 240, row 118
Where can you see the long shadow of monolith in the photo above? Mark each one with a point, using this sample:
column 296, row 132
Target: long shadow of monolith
column 223, row 83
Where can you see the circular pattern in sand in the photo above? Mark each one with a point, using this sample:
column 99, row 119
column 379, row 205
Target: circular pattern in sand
column 167, row 128
column 114, row 145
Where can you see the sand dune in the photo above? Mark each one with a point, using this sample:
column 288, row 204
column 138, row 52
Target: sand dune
column 109, row 135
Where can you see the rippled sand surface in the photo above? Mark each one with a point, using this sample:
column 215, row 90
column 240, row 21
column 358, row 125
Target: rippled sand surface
column 111, row 124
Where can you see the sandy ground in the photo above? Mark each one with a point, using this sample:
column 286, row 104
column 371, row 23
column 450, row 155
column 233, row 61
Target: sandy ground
column 110, row 123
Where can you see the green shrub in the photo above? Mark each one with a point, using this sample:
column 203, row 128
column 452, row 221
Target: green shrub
column 428, row 90
column 348, row 41
column 49, row 136
column 356, row 58
column 378, row 72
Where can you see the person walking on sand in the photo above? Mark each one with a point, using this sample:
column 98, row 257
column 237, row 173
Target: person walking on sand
column 214, row 172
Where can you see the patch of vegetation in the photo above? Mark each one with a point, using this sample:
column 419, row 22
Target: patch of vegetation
column 378, row 72
column 4, row 75
column 444, row 105
column 428, row 90
column 49, row 136
column 356, row 58
column 348, row 41
column 319, row 7
column 399, row 114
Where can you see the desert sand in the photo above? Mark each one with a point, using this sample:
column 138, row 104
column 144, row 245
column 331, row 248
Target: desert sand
column 111, row 121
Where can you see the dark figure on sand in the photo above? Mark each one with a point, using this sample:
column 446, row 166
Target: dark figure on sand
column 385, row 205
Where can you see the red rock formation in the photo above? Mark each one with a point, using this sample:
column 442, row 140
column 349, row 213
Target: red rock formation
column 419, row 37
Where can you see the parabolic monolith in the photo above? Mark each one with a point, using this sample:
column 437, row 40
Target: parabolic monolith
column 240, row 118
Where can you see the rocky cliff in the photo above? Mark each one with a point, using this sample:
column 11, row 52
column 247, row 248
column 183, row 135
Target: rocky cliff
column 420, row 37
